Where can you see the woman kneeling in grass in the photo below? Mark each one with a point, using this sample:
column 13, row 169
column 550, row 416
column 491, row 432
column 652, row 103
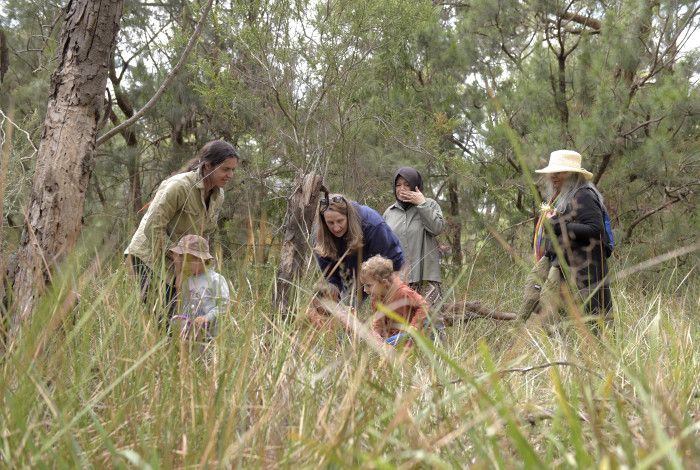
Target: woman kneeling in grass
column 384, row 285
column 203, row 293
column 347, row 234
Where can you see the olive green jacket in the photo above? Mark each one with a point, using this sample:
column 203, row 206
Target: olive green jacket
column 177, row 209
column 417, row 228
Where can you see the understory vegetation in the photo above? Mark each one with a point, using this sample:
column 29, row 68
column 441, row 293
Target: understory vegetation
column 100, row 385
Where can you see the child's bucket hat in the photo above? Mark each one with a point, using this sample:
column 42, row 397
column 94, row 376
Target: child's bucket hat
column 193, row 245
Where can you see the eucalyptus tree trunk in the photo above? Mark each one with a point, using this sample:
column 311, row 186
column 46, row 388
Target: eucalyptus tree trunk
column 4, row 55
column 66, row 151
column 129, row 135
column 301, row 211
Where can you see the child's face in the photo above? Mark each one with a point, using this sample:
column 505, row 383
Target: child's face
column 375, row 288
column 189, row 265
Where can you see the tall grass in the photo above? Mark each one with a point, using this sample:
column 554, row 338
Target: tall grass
column 98, row 385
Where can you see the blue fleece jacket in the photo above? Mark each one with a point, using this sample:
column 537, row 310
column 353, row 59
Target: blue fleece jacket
column 378, row 240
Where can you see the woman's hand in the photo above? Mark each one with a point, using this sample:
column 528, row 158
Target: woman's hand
column 201, row 321
column 547, row 210
column 414, row 197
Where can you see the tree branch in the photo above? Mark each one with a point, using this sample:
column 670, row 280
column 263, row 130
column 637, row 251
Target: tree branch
column 451, row 4
column 154, row 99
column 647, row 214
column 125, row 63
column 602, row 167
column 582, row 20
column 546, row 365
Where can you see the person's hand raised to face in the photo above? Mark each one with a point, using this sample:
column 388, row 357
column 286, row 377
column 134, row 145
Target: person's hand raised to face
column 405, row 194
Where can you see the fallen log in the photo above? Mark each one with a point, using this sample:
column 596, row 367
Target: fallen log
column 465, row 310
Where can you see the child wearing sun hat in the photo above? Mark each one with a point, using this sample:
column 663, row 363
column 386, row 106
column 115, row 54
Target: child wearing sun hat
column 203, row 293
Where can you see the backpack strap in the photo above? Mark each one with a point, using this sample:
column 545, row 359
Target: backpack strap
column 608, row 242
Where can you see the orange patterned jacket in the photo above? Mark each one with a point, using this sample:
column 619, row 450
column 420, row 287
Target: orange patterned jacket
column 407, row 304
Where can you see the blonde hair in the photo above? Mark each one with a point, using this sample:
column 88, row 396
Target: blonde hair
column 325, row 240
column 377, row 268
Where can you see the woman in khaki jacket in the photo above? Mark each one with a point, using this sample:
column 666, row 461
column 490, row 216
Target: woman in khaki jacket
column 186, row 203
column 417, row 220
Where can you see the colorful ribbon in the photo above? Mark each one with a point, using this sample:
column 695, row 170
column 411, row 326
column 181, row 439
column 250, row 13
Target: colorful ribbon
column 538, row 242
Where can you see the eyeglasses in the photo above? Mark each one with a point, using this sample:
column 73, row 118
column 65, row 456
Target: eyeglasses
column 325, row 203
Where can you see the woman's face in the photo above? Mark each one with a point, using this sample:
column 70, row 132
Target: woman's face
column 402, row 187
column 336, row 222
column 558, row 179
column 222, row 174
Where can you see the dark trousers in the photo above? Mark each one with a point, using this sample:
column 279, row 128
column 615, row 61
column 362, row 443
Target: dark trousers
column 156, row 293
column 544, row 287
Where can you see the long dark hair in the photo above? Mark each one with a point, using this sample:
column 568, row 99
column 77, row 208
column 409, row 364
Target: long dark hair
column 213, row 153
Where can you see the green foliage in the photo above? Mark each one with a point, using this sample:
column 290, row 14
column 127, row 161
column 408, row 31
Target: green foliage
column 473, row 96
column 354, row 89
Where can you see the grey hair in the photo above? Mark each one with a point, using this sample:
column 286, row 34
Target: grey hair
column 573, row 183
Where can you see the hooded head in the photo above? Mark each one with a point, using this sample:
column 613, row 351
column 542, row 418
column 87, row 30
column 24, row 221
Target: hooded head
column 414, row 180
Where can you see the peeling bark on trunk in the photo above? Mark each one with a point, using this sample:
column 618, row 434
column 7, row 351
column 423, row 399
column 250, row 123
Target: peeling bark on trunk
column 6, row 265
column 65, row 158
column 301, row 211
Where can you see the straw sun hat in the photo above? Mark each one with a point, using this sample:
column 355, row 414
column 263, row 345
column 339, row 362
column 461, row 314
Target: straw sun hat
column 561, row 161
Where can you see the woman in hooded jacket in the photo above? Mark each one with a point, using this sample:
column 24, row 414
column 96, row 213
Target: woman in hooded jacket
column 417, row 220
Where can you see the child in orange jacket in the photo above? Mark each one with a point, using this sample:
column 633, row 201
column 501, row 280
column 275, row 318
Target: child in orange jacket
column 384, row 286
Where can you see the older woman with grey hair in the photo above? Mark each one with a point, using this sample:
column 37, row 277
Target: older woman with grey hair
column 577, row 242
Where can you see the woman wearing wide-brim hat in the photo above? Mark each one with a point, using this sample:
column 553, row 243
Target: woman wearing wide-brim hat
column 575, row 213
